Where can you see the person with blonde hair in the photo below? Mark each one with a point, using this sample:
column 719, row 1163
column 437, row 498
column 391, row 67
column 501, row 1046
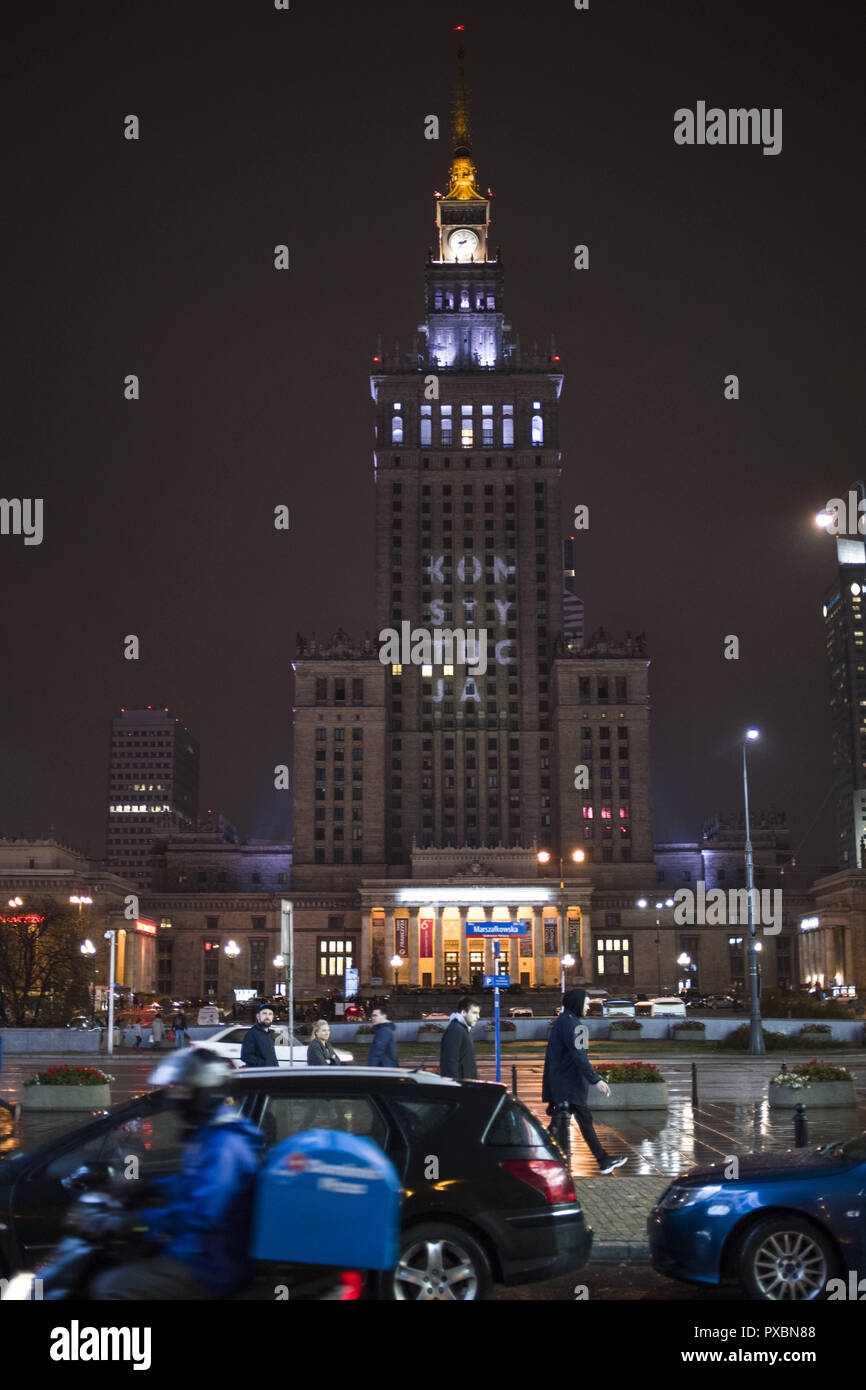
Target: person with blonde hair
column 320, row 1053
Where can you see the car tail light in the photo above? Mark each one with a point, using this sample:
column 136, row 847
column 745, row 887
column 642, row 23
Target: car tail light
column 546, row 1175
column 351, row 1285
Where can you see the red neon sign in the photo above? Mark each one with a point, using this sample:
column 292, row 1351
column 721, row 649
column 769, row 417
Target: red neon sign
column 143, row 925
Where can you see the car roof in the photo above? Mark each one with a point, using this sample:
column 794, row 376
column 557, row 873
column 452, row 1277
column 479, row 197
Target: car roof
column 398, row 1076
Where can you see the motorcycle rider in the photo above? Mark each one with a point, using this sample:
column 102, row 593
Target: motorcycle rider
column 206, row 1224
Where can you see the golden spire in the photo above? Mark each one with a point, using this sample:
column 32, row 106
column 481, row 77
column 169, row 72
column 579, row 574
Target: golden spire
column 461, row 179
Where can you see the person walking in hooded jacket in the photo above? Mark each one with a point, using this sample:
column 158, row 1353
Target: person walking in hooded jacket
column 568, row 1075
column 383, row 1048
column 457, row 1055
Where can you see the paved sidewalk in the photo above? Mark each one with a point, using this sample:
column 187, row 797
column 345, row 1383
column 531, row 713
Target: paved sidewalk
column 616, row 1207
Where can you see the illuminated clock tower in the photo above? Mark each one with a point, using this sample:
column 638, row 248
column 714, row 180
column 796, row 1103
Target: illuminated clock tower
column 467, row 480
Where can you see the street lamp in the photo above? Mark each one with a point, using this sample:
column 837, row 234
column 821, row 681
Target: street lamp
column 397, row 962
column 577, row 856
column 756, row 1033
column 567, row 962
column 232, row 950
column 88, row 949
column 16, row 902
column 111, row 938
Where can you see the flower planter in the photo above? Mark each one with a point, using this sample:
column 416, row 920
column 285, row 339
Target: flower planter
column 629, row 1034
column 430, row 1034
column 816, row 1093
column 631, row 1095
column 66, row 1097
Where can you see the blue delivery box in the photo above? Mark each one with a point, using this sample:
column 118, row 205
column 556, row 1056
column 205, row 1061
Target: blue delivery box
column 327, row 1198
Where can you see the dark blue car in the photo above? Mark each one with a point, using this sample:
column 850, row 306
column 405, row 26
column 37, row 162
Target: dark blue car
column 782, row 1225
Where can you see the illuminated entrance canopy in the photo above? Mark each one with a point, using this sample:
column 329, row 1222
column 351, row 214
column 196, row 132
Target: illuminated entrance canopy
column 469, row 896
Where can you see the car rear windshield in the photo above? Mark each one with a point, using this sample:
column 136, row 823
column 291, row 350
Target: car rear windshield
column 513, row 1126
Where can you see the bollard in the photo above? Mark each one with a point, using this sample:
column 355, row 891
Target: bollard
column 514, row 1079
column 694, row 1083
column 801, row 1127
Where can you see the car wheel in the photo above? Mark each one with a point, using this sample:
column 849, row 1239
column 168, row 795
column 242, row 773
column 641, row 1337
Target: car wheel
column 438, row 1261
column 786, row 1258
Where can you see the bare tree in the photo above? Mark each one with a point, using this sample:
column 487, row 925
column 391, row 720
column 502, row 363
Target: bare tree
column 42, row 971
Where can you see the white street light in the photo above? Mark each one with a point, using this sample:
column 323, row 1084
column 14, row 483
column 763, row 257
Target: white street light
column 566, row 963
column 756, row 1032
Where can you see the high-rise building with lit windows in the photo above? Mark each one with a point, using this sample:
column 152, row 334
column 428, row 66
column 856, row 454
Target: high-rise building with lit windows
column 412, row 774
column 152, row 787
column 845, row 633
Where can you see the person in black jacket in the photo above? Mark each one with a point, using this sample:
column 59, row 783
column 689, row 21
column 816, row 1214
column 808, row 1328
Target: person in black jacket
column 383, row 1048
column 568, row 1075
column 457, row 1055
column 257, row 1049
column 320, row 1052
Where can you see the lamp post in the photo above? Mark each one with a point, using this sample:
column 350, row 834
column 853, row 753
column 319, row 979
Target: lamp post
column 88, row 949
column 232, row 950
column 577, row 856
column 566, row 963
column 668, row 902
column 396, row 963
column 756, row 1034
column 111, row 938
column 684, row 961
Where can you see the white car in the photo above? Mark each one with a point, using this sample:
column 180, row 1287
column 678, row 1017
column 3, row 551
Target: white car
column 667, row 1008
column 227, row 1042
column 520, row 1011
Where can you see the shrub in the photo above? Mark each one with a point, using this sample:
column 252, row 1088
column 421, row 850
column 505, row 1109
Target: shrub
column 625, row 1025
column 69, row 1076
column 505, row 1026
column 364, row 1028
column 804, row 1073
column 816, row 1028
column 691, row 1025
column 430, row 1028
column 739, row 1039
column 775, row 1003
column 625, row 1072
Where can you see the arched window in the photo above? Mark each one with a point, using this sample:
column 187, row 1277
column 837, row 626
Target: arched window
column 537, row 430
column 426, row 425
column 396, row 429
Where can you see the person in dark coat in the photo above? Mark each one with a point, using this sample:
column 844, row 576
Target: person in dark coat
column 320, row 1052
column 257, row 1048
column 383, row 1048
column 568, row 1075
column 457, row 1055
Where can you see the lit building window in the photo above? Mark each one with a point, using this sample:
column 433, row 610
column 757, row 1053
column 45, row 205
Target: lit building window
column 397, row 429
column 537, row 430
column 507, row 426
column 466, row 426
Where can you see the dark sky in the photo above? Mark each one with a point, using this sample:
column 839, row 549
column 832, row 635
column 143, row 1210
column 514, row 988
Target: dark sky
column 306, row 127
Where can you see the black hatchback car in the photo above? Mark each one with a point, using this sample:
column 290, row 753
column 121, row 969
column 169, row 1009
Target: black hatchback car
column 488, row 1198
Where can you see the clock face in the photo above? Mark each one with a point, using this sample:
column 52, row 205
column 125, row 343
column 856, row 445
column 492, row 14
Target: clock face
column 462, row 244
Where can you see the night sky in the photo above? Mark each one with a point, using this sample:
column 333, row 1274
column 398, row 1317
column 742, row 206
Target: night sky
column 261, row 127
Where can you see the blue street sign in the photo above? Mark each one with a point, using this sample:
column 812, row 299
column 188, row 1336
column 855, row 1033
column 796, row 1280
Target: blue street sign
column 497, row 981
column 495, row 928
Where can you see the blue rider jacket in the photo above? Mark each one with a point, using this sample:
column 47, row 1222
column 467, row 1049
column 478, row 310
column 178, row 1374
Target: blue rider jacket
column 209, row 1215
